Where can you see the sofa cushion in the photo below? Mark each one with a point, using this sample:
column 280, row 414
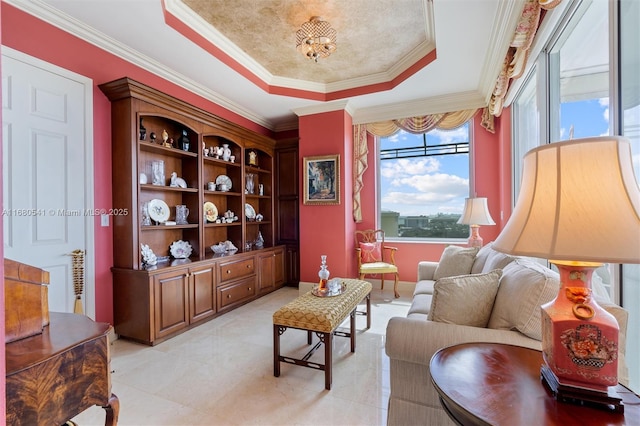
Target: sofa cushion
column 489, row 259
column 465, row 299
column 524, row 287
column 424, row 287
column 420, row 305
column 481, row 258
column 497, row 260
column 455, row 261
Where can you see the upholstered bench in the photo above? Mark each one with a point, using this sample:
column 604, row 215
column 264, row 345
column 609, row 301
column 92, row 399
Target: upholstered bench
column 321, row 315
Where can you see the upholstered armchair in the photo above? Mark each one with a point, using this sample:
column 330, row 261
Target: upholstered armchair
column 374, row 257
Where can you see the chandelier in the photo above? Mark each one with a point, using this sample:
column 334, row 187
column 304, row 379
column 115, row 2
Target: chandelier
column 316, row 39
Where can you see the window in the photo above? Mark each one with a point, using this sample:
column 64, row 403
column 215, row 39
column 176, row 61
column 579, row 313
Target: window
column 584, row 88
column 424, row 180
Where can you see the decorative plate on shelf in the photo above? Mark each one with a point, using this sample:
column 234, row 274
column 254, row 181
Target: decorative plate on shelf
column 180, row 249
column 249, row 212
column 224, row 180
column 158, row 210
column 210, row 211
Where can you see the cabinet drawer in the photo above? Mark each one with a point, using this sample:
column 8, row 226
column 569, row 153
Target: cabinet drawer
column 233, row 294
column 230, row 271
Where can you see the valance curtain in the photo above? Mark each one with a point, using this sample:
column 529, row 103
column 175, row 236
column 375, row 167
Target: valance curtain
column 416, row 125
column 516, row 59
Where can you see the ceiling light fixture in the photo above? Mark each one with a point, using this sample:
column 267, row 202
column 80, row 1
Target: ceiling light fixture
column 316, row 39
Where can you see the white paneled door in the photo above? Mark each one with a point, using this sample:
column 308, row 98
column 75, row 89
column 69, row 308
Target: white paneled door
column 47, row 183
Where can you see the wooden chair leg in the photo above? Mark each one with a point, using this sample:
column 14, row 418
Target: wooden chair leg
column 382, row 280
column 395, row 286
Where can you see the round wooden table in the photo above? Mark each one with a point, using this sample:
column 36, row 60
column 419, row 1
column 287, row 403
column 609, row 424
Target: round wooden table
column 496, row 384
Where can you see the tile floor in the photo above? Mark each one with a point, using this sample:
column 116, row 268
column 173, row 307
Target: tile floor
column 221, row 373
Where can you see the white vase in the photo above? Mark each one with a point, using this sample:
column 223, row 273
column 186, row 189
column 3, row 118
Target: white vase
column 226, row 152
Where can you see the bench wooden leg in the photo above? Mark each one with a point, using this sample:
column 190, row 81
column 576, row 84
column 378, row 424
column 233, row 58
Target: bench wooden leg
column 352, row 320
column 276, row 350
column 328, row 360
column 309, row 337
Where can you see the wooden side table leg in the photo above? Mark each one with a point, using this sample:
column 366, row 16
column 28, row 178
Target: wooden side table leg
column 113, row 411
column 328, row 360
column 276, row 350
column 352, row 333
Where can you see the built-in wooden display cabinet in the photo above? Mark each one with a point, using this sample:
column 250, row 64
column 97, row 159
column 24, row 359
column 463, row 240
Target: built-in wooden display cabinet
column 222, row 175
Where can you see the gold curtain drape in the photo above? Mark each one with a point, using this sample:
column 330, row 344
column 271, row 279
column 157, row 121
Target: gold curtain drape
column 360, row 151
column 516, row 59
column 417, row 125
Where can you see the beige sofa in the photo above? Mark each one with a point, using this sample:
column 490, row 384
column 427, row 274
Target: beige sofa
column 503, row 312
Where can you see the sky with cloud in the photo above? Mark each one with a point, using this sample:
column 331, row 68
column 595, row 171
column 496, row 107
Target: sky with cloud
column 425, row 185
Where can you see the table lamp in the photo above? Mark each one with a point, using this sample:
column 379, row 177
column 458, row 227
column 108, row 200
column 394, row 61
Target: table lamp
column 579, row 207
column 475, row 213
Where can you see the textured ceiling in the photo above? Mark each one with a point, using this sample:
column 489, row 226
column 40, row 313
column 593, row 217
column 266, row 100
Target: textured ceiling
column 369, row 43
column 254, row 70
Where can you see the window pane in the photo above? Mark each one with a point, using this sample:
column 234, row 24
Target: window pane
column 580, row 69
column 424, row 180
column 630, row 100
column 526, row 116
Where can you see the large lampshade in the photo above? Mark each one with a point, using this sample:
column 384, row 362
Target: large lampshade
column 579, row 200
column 579, row 206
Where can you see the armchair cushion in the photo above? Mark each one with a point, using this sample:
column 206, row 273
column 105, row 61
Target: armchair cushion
column 465, row 299
column 370, row 252
column 454, row 261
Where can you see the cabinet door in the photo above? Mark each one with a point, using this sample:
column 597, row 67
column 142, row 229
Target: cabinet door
column 271, row 270
column 266, row 266
column 202, row 295
column 170, row 291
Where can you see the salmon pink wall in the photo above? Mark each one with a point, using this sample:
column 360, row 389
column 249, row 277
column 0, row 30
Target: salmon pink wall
column 34, row 37
column 326, row 229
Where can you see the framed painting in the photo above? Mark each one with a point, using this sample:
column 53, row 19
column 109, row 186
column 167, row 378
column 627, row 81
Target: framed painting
column 322, row 180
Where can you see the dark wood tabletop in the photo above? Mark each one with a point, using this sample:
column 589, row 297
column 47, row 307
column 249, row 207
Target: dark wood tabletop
column 496, row 384
column 53, row 376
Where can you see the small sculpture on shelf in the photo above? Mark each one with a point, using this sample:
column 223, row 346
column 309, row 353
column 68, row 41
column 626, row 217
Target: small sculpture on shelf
column 226, row 152
column 184, row 141
column 166, row 142
column 143, row 131
column 259, row 242
column 148, row 256
column 177, row 182
column 153, row 137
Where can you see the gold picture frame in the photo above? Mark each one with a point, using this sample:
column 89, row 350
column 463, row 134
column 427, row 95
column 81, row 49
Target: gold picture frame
column 322, row 180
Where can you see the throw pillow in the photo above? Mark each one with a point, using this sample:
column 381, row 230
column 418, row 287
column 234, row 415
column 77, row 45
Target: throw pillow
column 481, row 258
column 370, row 252
column 455, row 261
column 524, row 287
column 465, row 299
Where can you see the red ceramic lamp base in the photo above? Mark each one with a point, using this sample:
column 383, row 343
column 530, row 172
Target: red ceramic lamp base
column 579, row 338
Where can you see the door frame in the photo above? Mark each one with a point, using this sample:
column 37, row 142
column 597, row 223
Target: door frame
column 89, row 221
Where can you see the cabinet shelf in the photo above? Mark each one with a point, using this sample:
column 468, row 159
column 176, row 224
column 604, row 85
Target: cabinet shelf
column 162, row 150
column 168, row 227
column 253, row 169
column 151, row 187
